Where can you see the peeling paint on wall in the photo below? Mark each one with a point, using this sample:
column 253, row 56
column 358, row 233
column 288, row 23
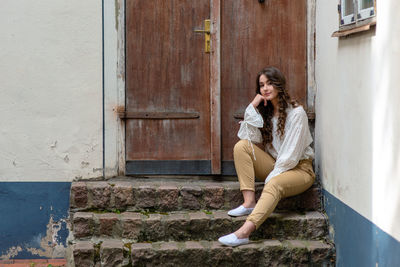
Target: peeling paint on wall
column 51, row 245
column 36, row 225
column 48, row 246
column 11, row 252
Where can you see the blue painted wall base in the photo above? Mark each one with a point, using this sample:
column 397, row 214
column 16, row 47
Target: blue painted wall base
column 33, row 219
column 358, row 241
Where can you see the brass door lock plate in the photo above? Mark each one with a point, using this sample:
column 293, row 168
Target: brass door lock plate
column 207, row 35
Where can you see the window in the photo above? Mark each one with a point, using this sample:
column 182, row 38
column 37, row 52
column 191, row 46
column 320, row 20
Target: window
column 346, row 12
column 366, row 9
column 355, row 16
column 354, row 11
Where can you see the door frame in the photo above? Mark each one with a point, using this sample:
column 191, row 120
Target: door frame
column 215, row 87
column 113, row 26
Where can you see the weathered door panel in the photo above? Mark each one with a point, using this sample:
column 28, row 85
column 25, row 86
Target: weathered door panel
column 167, row 86
column 254, row 36
column 168, row 76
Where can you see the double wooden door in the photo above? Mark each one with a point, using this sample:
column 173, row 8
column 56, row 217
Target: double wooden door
column 183, row 104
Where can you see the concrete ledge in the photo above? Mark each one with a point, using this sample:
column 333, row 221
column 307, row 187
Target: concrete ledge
column 33, row 262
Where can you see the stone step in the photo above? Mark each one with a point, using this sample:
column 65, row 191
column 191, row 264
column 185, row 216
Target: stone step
column 170, row 195
column 201, row 253
column 199, row 225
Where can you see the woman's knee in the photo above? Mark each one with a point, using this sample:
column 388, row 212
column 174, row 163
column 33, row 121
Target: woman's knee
column 240, row 146
column 273, row 188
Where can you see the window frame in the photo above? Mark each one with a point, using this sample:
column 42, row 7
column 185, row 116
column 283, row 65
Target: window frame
column 363, row 19
column 366, row 12
column 349, row 19
column 358, row 18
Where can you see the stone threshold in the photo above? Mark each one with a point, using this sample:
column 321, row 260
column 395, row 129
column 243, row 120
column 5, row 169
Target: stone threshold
column 164, row 195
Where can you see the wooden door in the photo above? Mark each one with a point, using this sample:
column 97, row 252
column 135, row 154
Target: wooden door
column 169, row 106
column 167, row 88
column 253, row 36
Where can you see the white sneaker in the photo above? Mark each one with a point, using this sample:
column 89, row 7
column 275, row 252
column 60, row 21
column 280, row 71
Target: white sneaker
column 240, row 211
column 232, row 240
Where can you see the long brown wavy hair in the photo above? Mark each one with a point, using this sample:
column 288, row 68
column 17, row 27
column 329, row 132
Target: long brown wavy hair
column 278, row 81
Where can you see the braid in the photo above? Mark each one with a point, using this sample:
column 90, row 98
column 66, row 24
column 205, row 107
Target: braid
column 266, row 113
column 282, row 116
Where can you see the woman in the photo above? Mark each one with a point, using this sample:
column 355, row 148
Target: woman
column 285, row 166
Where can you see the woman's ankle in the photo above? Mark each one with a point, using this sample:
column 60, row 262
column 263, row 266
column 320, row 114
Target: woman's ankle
column 248, row 205
column 241, row 235
column 249, row 199
column 246, row 230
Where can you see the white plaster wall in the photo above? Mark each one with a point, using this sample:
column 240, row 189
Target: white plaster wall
column 358, row 114
column 51, row 90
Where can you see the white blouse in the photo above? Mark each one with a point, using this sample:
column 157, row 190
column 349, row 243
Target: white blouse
column 294, row 145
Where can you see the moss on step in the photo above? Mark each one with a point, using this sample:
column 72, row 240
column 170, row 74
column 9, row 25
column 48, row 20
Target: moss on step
column 207, row 212
column 98, row 211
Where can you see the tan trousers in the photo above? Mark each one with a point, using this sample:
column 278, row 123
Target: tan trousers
column 286, row 184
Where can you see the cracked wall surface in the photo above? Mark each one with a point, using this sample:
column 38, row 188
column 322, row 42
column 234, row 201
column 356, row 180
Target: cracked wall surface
column 51, row 90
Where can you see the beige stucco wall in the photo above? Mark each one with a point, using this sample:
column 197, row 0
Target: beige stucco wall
column 358, row 114
column 51, row 90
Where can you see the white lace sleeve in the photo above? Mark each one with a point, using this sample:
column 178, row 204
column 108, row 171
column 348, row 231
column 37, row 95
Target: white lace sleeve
column 249, row 127
column 297, row 138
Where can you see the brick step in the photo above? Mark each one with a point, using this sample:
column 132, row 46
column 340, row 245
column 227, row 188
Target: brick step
column 171, row 195
column 201, row 253
column 199, row 225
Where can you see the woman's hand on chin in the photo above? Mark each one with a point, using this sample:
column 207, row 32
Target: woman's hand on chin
column 258, row 99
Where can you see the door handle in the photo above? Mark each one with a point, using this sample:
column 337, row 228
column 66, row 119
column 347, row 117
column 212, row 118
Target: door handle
column 207, row 35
